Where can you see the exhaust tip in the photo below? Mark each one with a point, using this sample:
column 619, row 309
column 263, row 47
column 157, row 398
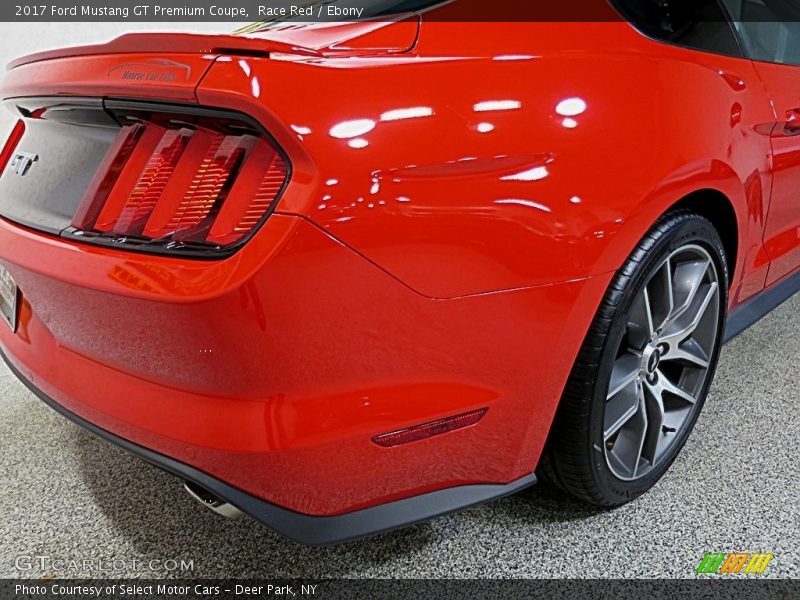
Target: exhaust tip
column 211, row 501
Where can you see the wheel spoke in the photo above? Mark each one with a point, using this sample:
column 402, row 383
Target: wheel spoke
column 648, row 311
column 640, row 321
column 680, row 329
column 620, row 409
column 665, row 386
column 627, row 448
column 624, row 372
column 662, row 296
column 686, row 282
column 643, row 433
column 654, row 401
column 688, row 352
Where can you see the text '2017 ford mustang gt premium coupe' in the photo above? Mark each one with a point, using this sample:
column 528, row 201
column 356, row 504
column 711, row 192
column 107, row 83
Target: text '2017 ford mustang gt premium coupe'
column 347, row 276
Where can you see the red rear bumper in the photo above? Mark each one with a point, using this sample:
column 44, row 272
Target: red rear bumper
column 273, row 369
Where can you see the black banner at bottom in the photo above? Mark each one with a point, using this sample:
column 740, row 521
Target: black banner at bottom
column 712, row 588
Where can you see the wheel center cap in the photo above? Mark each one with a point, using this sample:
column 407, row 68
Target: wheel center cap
column 651, row 359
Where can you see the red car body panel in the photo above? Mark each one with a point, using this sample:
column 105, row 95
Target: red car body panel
column 461, row 195
column 290, row 377
column 449, row 203
column 782, row 233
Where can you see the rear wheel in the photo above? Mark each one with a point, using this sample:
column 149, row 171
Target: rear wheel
column 645, row 368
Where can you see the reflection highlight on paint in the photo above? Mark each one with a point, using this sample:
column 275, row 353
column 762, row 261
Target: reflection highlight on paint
column 351, row 129
column 497, row 105
column 533, row 174
column 526, row 203
column 414, row 112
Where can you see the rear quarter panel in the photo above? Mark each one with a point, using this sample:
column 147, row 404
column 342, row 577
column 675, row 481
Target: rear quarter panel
column 506, row 155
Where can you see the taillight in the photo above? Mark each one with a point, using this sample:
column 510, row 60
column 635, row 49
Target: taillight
column 11, row 144
column 181, row 183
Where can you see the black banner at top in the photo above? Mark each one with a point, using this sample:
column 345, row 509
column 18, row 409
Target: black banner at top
column 250, row 11
column 243, row 11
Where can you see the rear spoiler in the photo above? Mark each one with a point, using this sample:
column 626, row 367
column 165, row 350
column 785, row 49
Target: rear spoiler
column 167, row 43
column 390, row 35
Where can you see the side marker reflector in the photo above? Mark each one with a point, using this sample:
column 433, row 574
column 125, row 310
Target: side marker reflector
column 426, row 430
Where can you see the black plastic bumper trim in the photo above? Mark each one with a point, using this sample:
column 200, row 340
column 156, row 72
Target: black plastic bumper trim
column 303, row 528
column 756, row 308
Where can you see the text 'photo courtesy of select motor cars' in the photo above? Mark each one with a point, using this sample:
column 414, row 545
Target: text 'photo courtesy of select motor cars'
column 400, row 298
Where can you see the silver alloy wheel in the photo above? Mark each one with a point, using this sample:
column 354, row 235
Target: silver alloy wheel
column 662, row 363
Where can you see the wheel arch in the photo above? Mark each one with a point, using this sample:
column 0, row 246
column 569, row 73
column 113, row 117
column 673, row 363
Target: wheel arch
column 717, row 208
column 733, row 204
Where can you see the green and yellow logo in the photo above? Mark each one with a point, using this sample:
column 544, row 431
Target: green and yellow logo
column 733, row 563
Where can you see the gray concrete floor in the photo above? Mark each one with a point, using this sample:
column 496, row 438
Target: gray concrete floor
column 67, row 495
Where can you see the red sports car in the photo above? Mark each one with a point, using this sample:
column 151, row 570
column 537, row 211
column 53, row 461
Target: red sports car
column 346, row 276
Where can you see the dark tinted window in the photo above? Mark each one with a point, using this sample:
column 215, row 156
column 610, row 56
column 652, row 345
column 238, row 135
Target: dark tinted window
column 770, row 29
column 699, row 24
column 340, row 10
column 390, row 7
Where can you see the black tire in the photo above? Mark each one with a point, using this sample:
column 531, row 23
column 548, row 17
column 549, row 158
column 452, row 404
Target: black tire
column 574, row 458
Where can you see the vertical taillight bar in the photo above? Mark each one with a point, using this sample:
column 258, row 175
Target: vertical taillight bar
column 107, row 175
column 11, row 144
column 128, row 177
column 208, row 188
column 202, row 144
column 246, row 200
column 150, row 186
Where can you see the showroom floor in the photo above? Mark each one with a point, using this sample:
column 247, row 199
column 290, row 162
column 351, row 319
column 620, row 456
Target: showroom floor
column 66, row 495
